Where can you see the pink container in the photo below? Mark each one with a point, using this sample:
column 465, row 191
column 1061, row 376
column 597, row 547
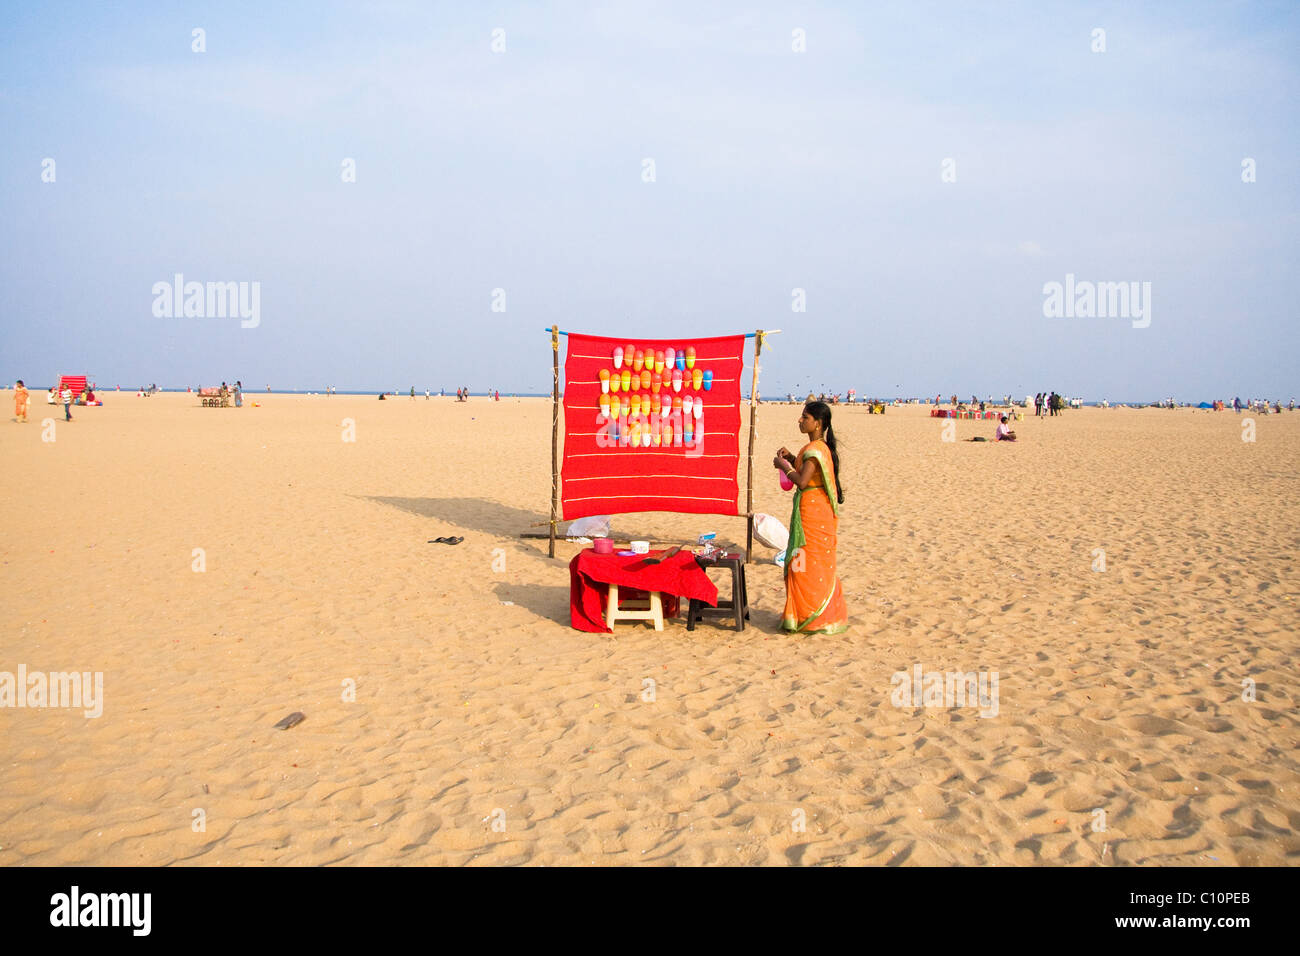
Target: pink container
column 603, row 545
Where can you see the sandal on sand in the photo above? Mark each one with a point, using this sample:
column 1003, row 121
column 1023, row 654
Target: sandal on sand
column 445, row 540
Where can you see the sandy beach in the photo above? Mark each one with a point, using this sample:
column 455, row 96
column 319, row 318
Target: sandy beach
column 452, row 715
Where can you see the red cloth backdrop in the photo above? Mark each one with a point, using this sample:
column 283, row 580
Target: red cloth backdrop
column 603, row 474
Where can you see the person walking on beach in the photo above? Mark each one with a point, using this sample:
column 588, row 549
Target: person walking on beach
column 66, row 395
column 1038, row 404
column 814, row 601
column 20, row 402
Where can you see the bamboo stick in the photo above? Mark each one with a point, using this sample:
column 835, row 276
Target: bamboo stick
column 753, row 423
column 555, row 431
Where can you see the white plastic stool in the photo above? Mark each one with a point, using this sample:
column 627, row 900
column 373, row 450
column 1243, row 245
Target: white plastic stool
column 635, row 610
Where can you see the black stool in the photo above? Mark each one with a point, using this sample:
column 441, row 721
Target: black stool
column 738, row 606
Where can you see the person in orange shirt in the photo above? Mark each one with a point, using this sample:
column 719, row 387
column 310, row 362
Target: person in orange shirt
column 20, row 402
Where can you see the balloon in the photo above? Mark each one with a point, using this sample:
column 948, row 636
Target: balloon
column 659, row 360
column 677, row 403
column 627, row 380
column 686, row 405
column 698, row 410
column 688, row 431
column 696, row 378
column 786, row 483
column 638, row 362
column 604, row 381
column 646, row 375
column 677, row 380
column 614, row 382
column 654, row 383
column 645, row 404
column 604, row 405
column 667, row 430
column 690, row 356
column 618, row 356
column 708, row 380
column 681, row 361
column 669, row 355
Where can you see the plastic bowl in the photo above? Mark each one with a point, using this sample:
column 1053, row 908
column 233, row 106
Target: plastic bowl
column 603, row 545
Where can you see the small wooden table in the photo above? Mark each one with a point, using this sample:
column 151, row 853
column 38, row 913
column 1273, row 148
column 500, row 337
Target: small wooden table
column 738, row 606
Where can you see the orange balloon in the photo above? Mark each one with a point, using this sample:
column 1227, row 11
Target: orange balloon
column 696, row 378
column 638, row 362
column 646, row 375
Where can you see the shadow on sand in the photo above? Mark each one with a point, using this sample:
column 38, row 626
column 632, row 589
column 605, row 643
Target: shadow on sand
column 473, row 514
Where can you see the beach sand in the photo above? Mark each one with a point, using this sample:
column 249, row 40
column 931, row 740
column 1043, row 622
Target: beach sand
column 484, row 729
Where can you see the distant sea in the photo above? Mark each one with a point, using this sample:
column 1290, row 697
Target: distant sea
column 419, row 393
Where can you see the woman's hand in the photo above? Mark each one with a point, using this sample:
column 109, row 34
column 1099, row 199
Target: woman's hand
column 779, row 463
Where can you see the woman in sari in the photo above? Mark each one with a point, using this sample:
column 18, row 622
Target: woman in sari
column 20, row 402
column 814, row 602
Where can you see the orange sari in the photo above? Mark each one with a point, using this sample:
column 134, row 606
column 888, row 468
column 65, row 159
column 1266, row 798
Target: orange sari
column 814, row 597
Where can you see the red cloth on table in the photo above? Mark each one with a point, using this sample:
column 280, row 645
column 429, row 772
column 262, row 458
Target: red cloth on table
column 590, row 575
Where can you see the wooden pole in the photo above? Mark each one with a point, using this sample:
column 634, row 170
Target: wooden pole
column 753, row 423
column 555, row 431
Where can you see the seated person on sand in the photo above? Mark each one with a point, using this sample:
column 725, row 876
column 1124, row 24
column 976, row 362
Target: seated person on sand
column 1004, row 432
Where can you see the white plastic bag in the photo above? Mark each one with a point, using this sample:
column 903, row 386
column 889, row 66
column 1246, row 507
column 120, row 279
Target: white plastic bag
column 770, row 532
column 593, row 526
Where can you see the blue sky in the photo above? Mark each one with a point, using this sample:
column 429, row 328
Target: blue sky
column 522, row 170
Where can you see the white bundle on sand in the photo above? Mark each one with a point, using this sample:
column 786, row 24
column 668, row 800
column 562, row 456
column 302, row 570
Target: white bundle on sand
column 593, row 526
column 770, row 532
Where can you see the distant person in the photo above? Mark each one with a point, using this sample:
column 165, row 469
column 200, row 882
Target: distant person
column 1038, row 405
column 20, row 402
column 239, row 394
column 49, row 397
column 426, row 394
column 66, row 395
column 1004, row 432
